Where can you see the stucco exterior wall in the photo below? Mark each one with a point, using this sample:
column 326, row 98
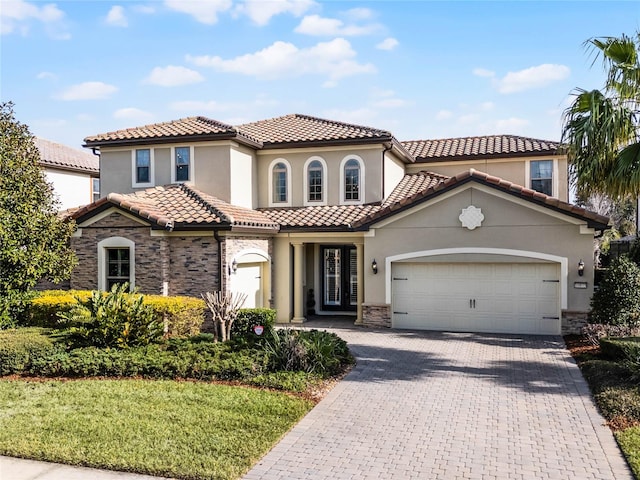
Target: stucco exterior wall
column 241, row 177
column 71, row 189
column 511, row 169
column 370, row 155
column 507, row 225
column 212, row 170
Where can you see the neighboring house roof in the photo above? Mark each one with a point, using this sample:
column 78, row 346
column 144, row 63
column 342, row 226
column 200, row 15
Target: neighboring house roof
column 56, row 155
column 192, row 128
column 593, row 219
column 178, row 207
column 468, row 148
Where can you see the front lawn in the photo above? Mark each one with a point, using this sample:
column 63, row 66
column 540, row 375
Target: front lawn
column 181, row 429
column 616, row 394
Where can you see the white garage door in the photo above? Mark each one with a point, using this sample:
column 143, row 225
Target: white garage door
column 477, row 297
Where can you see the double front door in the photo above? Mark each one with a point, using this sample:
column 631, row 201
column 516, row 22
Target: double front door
column 339, row 277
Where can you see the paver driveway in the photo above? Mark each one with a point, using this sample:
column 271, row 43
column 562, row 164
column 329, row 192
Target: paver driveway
column 451, row 406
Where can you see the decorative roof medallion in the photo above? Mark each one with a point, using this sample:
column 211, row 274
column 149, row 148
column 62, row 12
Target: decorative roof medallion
column 471, row 217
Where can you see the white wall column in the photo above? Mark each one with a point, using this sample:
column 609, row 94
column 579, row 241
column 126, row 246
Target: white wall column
column 359, row 281
column 298, row 300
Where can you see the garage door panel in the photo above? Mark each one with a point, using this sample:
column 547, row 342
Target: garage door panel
column 504, row 298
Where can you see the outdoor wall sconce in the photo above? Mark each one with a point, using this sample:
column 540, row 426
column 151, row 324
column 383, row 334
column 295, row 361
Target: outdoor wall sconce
column 234, row 267
column 374, row 266
column 580, row 268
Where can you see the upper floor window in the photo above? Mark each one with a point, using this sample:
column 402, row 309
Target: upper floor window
column 182, row 164
column 352, row 181
column 315, row 181
column 95, row 189
column 280, row 183
column 541, row 174
column 142, row 167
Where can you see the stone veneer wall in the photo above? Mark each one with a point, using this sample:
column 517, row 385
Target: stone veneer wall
column 232, row 245
column 376, row 315
column 189, row 264
column 572, row 322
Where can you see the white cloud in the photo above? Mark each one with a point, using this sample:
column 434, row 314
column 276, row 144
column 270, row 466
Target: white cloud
column 359, row 13
column 261, row 12
column 335, row 59
column 388, row 44
column 444, row 115
column 16, row 16
column 144, row 9
column 534, row 77
column 483, row 72
column 172, row 76
column 331, row 27
column 486, row 106
column 511, row 125
column 213, row 106
column 88, row 91
column 46, row 76
column 203, row 11
column 116, row 17
column 132, row 113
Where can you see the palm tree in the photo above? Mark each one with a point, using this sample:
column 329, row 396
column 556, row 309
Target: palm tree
column 602, row 127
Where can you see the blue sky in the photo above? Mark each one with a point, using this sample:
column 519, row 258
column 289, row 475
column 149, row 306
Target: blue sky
column 420, row 69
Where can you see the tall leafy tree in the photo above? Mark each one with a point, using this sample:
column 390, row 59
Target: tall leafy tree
column 34, row 241
column 602, row 127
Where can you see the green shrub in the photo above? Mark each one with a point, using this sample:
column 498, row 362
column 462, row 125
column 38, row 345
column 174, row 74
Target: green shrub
column 180, row 316
column 311, row 351
column 620, row 348
column 620, row 402
column 114, row 319
column 248, row 318
column 14, row 307
column 617, row 301
column 595, row 331
column 19, row 347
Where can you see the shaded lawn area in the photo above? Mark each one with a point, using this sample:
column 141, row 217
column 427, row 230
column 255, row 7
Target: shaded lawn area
column 170, row 428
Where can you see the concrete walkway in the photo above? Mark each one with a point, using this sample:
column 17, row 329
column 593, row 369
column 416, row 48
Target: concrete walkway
column 433, row 406
column 428, row 405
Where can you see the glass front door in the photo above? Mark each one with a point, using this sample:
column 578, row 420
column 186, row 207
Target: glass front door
column 339, row 277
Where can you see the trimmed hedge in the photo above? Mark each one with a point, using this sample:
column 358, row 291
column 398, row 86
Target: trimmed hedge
column 620, row 348
column 20, row 347
column 181, row 316
column 248, row 318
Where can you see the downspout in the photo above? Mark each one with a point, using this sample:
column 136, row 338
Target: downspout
column 219, row 240
column 386, row 149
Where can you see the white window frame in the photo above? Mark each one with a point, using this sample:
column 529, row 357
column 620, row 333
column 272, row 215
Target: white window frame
column 554, row 180
column 325, row 185
column 95, row 192
column 134, row 172
column 343, row 200
column 173, row 164
column 115, row 242
column 271, row 167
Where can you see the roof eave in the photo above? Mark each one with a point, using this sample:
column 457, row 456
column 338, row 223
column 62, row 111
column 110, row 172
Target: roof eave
column 456, row 158
column 128, row 142
column 326, row 143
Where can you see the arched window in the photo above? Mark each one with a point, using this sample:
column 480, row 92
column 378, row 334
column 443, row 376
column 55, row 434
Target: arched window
column 116, row 262
column 352, row 181
column 314, row 179
column 280, row 185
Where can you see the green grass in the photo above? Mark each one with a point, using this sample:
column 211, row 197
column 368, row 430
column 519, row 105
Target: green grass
column 629, row 441
column 180, row 429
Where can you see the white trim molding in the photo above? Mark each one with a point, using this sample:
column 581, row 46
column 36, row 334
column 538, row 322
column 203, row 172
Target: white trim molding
column 361, row 187
column 562, row 261
column 325, row 185
column 555, row 187
column 252, row 252
column 270, row 180
column 115, row 242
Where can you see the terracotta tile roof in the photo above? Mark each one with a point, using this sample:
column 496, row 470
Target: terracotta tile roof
column 593, row 219
column 412, row 184
column 468, row 147
column 54, row 154
column 182, row 128
column 179, row 206
column 297, row 128
column 321, row 217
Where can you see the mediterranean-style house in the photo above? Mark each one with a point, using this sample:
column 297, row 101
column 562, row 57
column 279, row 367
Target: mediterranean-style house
column 73, row 173
column 319, row 217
